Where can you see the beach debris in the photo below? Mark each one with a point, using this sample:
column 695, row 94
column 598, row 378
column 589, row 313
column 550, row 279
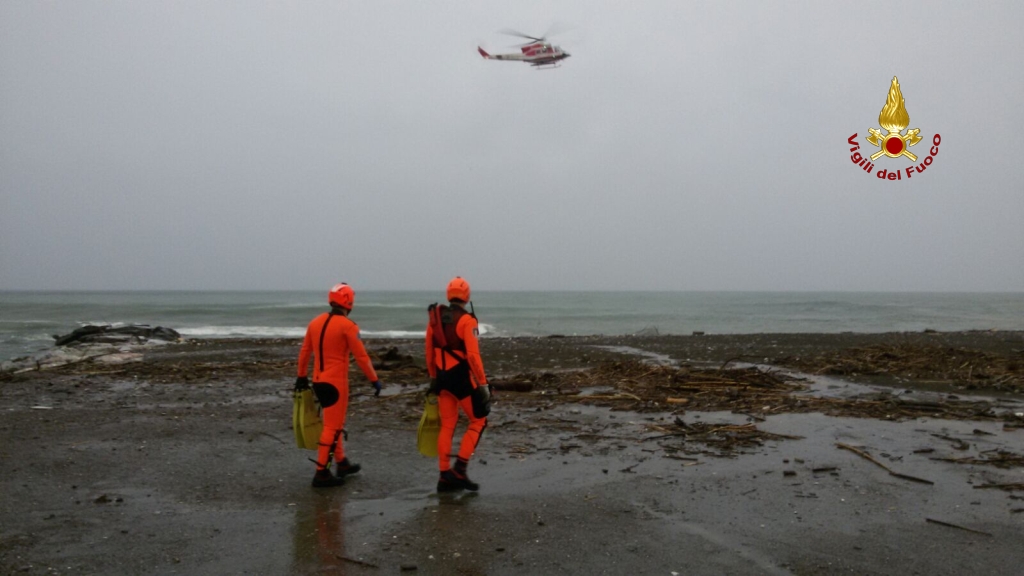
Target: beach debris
column 356, row 562
column 924, row 361
column 1009, row 487
column 391, row 359
column 957, row 526
column 512, row 386
column 891, row 472
column 271, row 436
column 958, row 444
column 999, row 458
column 755, row 392
column 725, row 438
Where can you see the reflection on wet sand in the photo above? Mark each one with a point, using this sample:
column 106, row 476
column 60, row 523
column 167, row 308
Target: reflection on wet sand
column 319, row 534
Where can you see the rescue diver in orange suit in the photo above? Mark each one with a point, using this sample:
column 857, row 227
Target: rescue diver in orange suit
column 330, row 338
column 457, row 378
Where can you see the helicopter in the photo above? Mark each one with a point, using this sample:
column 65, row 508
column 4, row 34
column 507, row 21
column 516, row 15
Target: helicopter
column 538, row 52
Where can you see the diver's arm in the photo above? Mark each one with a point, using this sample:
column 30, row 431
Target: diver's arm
column 429, row 352
column 355, row 344
column 304, row 353
column 469, row 336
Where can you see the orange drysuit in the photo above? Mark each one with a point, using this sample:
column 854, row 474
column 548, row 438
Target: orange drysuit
column 459, row 370
column 330, row 338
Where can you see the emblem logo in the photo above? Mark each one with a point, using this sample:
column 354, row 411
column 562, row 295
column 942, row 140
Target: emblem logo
column 894, row 119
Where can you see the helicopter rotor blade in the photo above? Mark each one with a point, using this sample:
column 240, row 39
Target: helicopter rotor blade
column 511, row 32
column 555, row 29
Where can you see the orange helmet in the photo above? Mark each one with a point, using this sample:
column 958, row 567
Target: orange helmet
column 458, row 289
column 342, row 295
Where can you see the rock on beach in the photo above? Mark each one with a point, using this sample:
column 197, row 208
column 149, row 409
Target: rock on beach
column 106, row 344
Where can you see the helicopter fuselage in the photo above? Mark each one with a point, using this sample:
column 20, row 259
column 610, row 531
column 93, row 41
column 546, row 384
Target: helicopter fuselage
column 538, row 54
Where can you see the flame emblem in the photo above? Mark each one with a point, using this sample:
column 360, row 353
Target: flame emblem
column 894, row 118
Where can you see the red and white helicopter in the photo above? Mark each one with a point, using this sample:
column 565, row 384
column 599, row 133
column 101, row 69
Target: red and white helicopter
column 538, row 52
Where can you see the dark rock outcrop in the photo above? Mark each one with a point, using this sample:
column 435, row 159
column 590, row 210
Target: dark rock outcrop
column 119, row 335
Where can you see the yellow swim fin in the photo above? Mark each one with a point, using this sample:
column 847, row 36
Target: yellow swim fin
column 429, row 428
column 296, row 423
column 306, row 420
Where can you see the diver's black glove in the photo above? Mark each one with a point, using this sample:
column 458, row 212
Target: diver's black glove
column 434, row 388
column 481, row 399
column 301, row 383
column 376, row 387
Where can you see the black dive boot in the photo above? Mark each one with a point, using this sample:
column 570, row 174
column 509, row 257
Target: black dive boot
column 448, row 482
column 344, row 468
column 324, row 479
column 459, row 472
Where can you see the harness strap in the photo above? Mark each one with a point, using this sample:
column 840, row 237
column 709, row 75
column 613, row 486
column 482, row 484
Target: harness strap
column 323, row 332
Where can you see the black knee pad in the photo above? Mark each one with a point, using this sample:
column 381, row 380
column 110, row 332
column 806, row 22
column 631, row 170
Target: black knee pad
column 326, row 394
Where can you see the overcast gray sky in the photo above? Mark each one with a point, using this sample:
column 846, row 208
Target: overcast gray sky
column 683, row 146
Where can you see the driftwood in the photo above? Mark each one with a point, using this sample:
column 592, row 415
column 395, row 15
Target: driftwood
column 958, row 527
column 891, row 472
column 356, row 562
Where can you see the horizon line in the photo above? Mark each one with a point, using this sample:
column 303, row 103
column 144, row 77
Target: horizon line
column 524, row 290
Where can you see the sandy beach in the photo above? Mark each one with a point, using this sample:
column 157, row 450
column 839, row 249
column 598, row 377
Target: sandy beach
column 711, row 454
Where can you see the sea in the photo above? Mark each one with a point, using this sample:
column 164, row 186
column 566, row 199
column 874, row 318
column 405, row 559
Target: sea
column 28, row 320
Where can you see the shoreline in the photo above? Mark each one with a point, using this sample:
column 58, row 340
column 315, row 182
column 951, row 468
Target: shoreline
column 505, row 356
column 707, row 452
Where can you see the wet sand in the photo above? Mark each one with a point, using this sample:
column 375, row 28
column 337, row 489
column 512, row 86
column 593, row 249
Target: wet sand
column 184, row 463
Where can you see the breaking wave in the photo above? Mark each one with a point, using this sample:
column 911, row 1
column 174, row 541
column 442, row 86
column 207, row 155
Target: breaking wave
column 323, row 305
column 298, row 332
column 281, row 332
column 392, row 333
column 242, row 332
